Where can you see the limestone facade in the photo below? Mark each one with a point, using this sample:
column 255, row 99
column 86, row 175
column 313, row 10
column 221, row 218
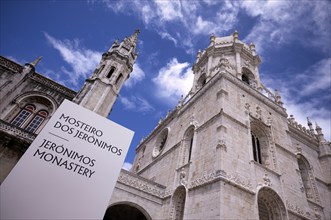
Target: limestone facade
column 227, row 151
column 28, row 100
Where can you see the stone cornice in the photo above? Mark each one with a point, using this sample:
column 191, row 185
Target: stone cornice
column 17, row 132
column 238, row 83
column 286, row 150
column 11, row 65
column 220, row 175
column 250, row 90
column 52, row 85
column 221, row 113
column 142, row 184
column 304, row 138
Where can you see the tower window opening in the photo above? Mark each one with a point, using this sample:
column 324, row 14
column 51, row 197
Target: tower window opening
column 101, row 68
column 190, row 149
column 256, row 149
column 202, row 81
column 110, row 73
column 119, row 80
column 245, row 79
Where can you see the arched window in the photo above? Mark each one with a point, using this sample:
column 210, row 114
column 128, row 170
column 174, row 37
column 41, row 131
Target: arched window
column 23, row 115
column 248, row 77
column 202, row 81
column 256, row 149
column 187, row 146
column 37, row 121
column 245, row 79
column 101, row 68
column 160, row 142
column 270, row 205
column 110, row 73
column 178, row 203
column 119, row 80
column 261, row 146
column 305, row 173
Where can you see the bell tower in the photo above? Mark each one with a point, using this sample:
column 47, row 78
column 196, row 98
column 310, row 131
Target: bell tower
column 101, row 89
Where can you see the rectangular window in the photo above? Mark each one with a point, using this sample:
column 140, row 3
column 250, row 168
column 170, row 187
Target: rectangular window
column 34, row 125
column 20, row 118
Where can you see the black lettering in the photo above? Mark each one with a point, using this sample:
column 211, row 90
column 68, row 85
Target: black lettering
column 43, row 143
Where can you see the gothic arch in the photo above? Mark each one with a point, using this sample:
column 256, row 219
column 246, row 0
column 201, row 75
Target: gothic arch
column 262, row 144
column 307, row 178
column 187, row 145
column 119, row 80
column 160, row 142
column 248, row 77
column 111, row 71
column 270, row 205
column 178, row 203
column 126, row 211
column 202, row 81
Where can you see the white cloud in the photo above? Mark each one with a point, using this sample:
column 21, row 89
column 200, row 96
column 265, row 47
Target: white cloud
column 168, row 10
column 276, row 22
column 308, row 94
column 174, row 80
column 127, row 166
column 301, row 111
column 135, row 103
column 316, row 78
column 136, row 76
column 282, row 22
column 166, row 35
column 82, row 61
column 188, row 18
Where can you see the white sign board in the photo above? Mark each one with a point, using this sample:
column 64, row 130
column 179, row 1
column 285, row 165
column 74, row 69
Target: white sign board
column 70, row 169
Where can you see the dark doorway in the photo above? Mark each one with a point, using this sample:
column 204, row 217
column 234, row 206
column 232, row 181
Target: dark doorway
column 123, row 212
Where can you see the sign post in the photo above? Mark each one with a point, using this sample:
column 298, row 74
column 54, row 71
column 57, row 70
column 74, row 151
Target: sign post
column 70, row 169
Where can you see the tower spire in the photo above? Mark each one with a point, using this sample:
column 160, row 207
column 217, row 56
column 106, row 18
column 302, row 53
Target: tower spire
column 36, row 61
column 101, row 89
column 134, row 36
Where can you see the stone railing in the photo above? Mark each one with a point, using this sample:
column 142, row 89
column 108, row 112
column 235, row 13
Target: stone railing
column 17, row 132
column 291, row 121
column 53, row 85
column 10, row 65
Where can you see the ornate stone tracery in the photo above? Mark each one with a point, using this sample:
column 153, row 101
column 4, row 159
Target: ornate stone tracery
column 270, row 205
column 263, row 132
column 178, row 203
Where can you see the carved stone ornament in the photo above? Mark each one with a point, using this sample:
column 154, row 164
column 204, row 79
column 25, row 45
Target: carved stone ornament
column 140, row 184
column 182, row 177
column 247, row 106
column 234, row 179
column 293, row 207
column 221, row 145
column 266, row 180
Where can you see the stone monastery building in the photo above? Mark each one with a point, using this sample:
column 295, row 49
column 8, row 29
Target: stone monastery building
column 227, row 151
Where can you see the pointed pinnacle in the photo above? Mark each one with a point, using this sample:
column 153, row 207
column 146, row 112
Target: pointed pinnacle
column 36, row 61
column 134, row 36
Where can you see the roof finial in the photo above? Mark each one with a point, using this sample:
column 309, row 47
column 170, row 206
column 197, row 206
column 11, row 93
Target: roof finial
column 212, row 39
column 310, row 125
column 235, row 35
column 36, row 61
column 134, row 36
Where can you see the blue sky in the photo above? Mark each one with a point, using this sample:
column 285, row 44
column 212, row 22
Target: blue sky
column 292, row 37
